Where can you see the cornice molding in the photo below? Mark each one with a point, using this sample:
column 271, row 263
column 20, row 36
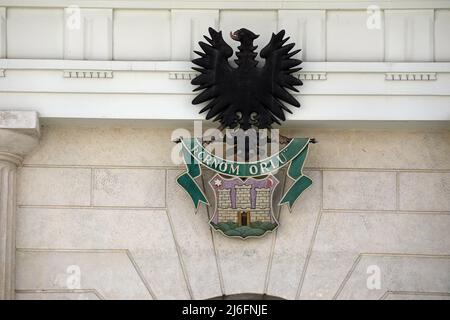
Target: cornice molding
column 397, row 76
column 233, row 4
column 312, row 75
column 186, row 75
column 352, row 91
column 88, row 74
column 411, row 76
column 184, row 67
column 182, row 75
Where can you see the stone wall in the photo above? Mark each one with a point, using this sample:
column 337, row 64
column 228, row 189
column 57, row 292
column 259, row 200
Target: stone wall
column 227, row 215
column 262, row 215
column 224, row 198
column 100, row 216
column 262, row 198
column 243, row 198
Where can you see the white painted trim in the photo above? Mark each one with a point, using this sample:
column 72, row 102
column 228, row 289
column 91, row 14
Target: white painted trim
column 186, row 75
column 179, row 107
column 411, row 76
column 178, row 83
column 185, row 66
column 51, row 64
column 182, row 75
column 353, row 91
column 88, row 74
column 232, row 4
column 312, row 76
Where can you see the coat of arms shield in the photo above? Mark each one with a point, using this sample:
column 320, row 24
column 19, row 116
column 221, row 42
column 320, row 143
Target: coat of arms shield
column 243, row 206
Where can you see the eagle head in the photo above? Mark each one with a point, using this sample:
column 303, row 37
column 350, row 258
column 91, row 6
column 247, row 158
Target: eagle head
column 243, row 35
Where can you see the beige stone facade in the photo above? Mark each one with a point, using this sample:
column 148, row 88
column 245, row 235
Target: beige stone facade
column 379, row 197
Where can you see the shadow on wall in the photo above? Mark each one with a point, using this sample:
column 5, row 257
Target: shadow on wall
column 246, row 296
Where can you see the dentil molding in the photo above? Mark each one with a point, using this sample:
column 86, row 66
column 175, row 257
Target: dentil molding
column 186, row 75
column 410, row 76
column 88, row 74
column 182, row 75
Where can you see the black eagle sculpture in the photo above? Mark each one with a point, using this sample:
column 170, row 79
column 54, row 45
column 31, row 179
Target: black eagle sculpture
column 246, row 96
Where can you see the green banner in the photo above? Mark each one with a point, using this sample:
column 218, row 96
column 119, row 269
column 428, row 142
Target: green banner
column 294, row 155
column 301, row 182
column 187, row 179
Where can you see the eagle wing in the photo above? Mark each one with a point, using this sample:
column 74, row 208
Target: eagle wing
column 277, row 76
column 215, row 74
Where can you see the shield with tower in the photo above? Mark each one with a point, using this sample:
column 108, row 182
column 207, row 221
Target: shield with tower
column 243, row 206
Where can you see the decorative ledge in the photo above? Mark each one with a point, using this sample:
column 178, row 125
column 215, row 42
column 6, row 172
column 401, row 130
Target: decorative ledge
column 312, row 76
column 411, row 76
column 367, row 96
column 180, row 75
column 183, row 75
column 237, row 4
column 94, row 74
column 185, row 66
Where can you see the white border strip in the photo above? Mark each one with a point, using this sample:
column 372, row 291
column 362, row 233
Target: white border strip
column 185, row 66
column 231, row 4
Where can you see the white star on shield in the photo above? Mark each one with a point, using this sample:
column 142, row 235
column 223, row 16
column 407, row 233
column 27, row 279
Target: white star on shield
column 217, row 182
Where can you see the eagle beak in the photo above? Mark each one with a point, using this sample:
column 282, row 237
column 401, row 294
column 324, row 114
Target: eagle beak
column 234, row 36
